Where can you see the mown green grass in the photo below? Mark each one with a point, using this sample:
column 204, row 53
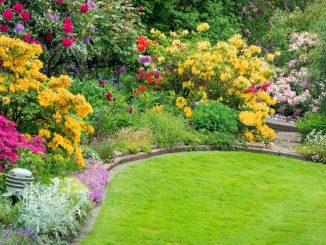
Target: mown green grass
column 214, row 198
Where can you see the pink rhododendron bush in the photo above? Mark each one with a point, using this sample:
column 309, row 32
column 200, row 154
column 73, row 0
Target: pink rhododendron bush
column 11, row 140
column 294, row 89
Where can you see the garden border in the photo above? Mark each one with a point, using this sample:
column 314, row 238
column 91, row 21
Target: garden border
column 125, row 158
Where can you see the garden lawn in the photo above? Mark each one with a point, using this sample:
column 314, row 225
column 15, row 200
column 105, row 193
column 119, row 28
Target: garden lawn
column 214, row 198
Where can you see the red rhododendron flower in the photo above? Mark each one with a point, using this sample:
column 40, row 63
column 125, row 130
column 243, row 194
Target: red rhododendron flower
column 28, row 38
column 149, row 79
column 142, row 43
column 84, row 8
column 130, row 109
column 141, row 74
column 26, row 16
column 66, row 42
column 265, row 86
column 67, row 25
column 4, row 28
column 109, row 96
column 59, row 1
column 18, row 8
column 252, row 90
column 48, row 38
column 7, row 14
column 101, row 82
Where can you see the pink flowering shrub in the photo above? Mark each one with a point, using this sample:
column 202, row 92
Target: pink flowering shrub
column 72, row 33
column 11, row 140
column 293, row 88
column 96, row 178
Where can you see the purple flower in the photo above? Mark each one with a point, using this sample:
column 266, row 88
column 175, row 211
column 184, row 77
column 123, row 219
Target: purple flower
column 52, row 17
column 113, row 79
column 86, row 39
column 157, row 74
column 122, row 69
column 96, row 178
column 145, row 59
column 91, row 4
column 19, row 27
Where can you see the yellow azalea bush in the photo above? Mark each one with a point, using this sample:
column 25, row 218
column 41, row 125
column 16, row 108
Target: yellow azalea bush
column 38, row 104
column 231, row 72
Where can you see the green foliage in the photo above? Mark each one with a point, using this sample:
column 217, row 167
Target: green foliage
column 134, row 140
column 169, row 15
column 109, row 115
column 53, row 215
column 8, row 213
column 89, row 153
column 310, row 122
column 44, row 168
column 168, row 130
column 104, row 149
column 215, row 117
column 223, row 141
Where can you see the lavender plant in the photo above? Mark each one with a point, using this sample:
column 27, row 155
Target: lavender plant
column 18, row 235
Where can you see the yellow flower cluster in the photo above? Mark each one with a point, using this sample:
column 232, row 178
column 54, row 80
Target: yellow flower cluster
column 202, row 27
column 230, row 70
column 21, row 76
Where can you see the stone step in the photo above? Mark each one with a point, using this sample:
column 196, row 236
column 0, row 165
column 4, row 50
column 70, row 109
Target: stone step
column 281, row 126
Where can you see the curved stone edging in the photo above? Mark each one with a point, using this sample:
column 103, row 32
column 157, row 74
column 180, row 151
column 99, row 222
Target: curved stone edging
column 157, row 152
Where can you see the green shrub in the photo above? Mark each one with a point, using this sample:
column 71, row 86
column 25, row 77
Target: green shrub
column 223, row 141
column 134, row 140
column 215, row 117
column 8, row 213
column 44, row 168
column 104, row 149
column 314, row 146
column 168, row 130
column 167, row 15
column 310, row 122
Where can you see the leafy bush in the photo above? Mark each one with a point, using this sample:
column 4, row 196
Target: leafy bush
column 223, row 141
column 110, row 109
column 104, row 149
column 8, row 213
column 134, row 140
column 175, row 15
column 215, row 117
column 168, row 130
column 41, row 105
column 310, row 122
column 314, row 146
column 53, row 215
column 74, row 34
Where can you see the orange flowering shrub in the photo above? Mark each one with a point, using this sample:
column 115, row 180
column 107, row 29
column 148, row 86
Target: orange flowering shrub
column 38, row 104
